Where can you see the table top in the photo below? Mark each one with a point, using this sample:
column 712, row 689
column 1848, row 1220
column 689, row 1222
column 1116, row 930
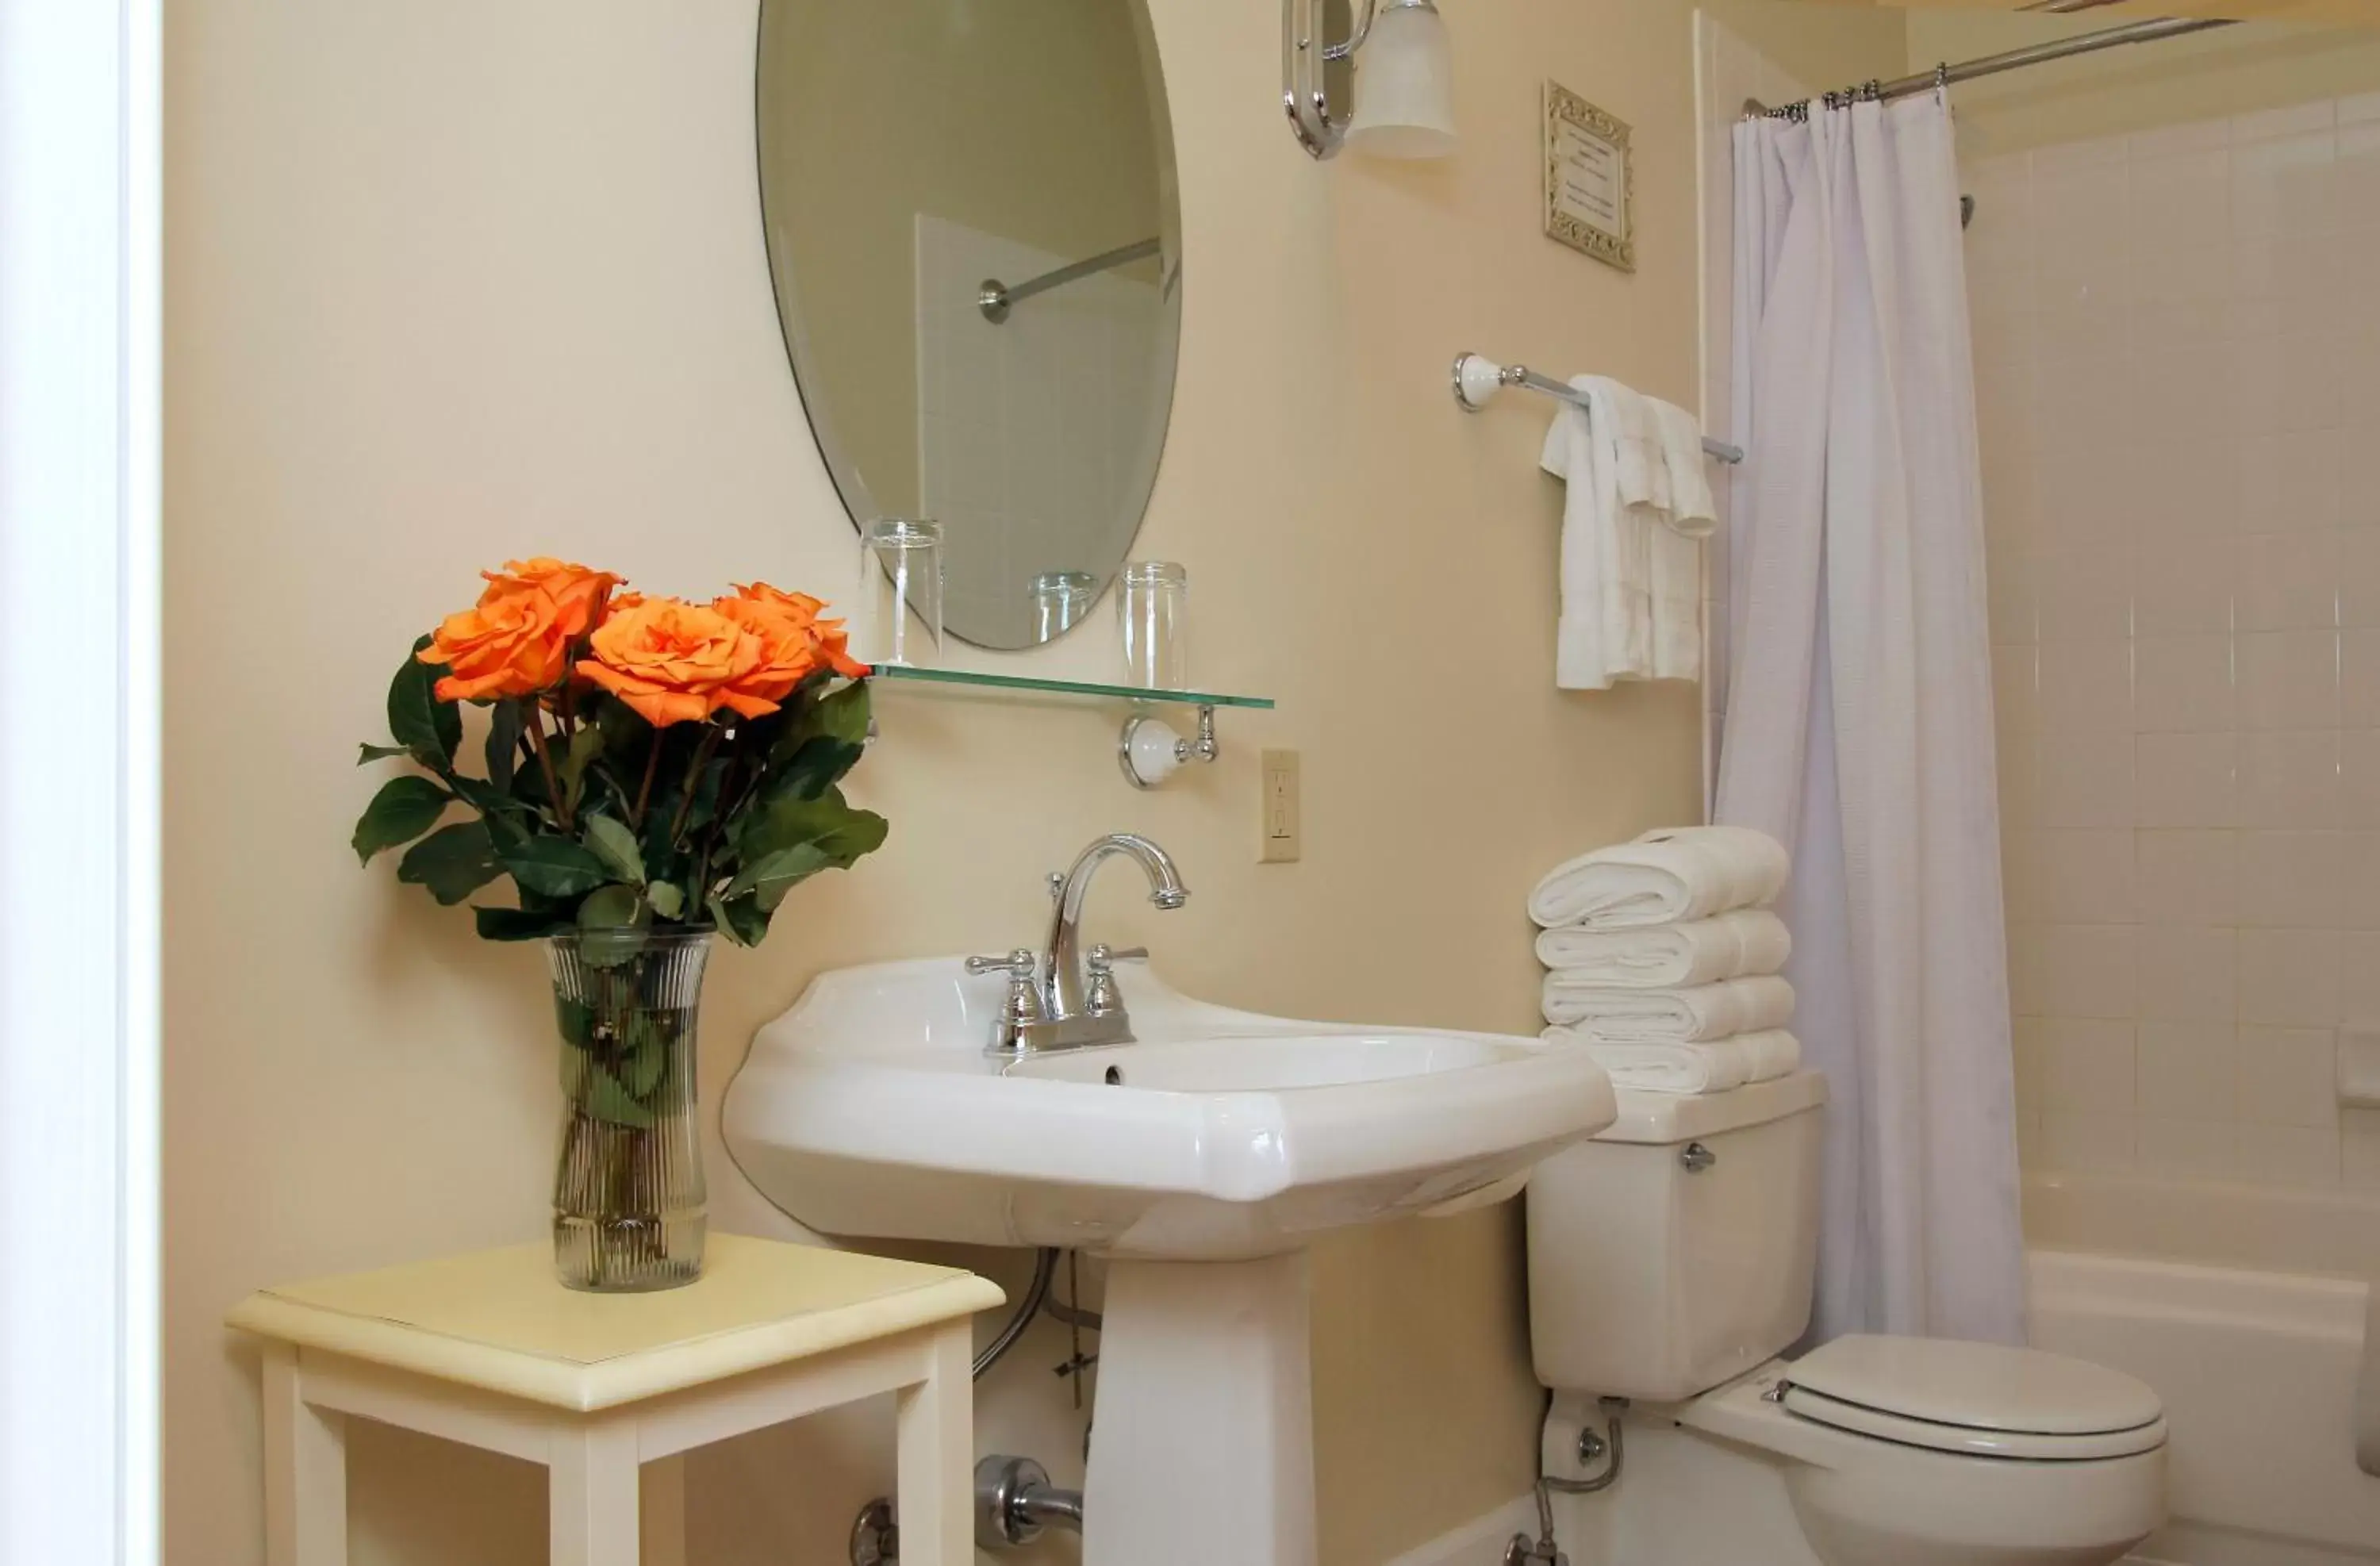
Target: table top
column 499, row 1320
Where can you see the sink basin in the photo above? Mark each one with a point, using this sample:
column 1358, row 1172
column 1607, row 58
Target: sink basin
column 1202, row 1159
column 871, row 1109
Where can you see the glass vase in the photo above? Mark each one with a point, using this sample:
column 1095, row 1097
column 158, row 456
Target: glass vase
column 628, row 1196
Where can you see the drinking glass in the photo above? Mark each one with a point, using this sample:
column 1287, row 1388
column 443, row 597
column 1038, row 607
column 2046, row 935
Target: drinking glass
column 1153, row 605
column 1061, row 599
column 896, row 615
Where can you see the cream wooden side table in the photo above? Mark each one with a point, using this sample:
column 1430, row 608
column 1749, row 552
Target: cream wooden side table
column 489, row 1350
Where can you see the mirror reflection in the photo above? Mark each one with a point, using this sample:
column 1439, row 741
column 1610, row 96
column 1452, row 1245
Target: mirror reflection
column 975, row 240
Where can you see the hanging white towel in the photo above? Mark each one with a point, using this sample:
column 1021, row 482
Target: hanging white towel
column 1693, row 1068
column 1691, row 1015
column 1677, row 551
column 1693, row 510
column 1732, row 945
column 1630, row 603
column 1667, row 875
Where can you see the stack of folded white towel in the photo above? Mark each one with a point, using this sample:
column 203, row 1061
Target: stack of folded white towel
column 1662, row 959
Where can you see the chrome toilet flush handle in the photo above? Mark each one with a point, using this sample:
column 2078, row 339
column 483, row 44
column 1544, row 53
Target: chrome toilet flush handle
column 1697, row 1158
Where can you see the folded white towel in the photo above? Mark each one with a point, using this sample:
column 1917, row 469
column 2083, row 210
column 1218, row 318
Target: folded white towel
column 1631, row 599
column 1693, row 1014
column 1693, row 510
column 1664, row 876
column 1731, row 945
column 1694, row 1068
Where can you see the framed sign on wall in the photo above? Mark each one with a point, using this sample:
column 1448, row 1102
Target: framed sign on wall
column 1590, row 186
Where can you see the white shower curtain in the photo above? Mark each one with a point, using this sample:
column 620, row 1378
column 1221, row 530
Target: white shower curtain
column 1858, row 715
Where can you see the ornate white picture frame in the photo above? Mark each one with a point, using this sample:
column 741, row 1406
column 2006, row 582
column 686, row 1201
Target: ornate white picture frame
column 1590, row 179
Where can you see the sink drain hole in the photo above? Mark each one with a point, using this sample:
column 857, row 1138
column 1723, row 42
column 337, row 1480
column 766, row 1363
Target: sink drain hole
column 1115, row 1077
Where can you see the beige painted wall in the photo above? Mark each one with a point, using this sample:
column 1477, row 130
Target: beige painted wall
column 448, row 281
column 1826, row 45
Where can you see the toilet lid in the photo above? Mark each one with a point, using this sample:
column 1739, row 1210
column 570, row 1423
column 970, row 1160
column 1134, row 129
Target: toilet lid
column 1976, row 1397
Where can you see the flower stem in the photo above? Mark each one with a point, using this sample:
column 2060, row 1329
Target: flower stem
column 693, row 775
column 645, row 789
column 545, row 765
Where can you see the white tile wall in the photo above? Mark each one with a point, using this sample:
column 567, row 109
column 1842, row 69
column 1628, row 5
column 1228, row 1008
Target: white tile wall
column 2178, row 343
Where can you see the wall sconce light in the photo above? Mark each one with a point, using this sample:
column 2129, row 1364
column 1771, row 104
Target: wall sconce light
column 1405, row 100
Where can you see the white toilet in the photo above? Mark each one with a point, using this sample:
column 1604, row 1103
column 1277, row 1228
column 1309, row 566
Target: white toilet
column 1669, row 1263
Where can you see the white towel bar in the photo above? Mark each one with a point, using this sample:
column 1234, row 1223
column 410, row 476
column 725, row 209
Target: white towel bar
column 1477, row 379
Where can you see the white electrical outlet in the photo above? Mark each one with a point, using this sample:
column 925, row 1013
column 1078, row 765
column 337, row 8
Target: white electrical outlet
column 1284, row 828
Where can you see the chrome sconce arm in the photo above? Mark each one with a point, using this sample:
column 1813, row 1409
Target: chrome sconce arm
column 1305, row 56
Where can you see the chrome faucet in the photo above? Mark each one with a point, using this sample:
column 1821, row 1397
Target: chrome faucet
column 1066, row 998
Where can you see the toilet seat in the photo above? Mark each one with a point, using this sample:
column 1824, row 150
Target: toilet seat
column 1978, row 1399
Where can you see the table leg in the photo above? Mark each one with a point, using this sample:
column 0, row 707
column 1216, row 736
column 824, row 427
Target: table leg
column 935, row 1490
column 664, row 1511
column 305, row 1470
column 591, row 1494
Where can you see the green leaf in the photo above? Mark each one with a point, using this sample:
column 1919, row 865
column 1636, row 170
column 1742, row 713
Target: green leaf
column 554, row 867
column 506, row 722
column 667, row 899
column 611, row 907
column 768, row 880
column 403, row 810
column 598, row 1093
column 575, row 1021
column 615, row 844
column 426, row 726
column 452, row 862
column 821, row 745
column 612, row 920
column 641, row 1071
column 842, row 833
column 479, row 795
column 585, row 745
column 839, row 715
column 817, row 766
column 516, row 924
column 744, row 923
column 371, row 753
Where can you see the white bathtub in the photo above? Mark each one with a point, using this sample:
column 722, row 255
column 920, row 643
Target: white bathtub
column 2244, row 1308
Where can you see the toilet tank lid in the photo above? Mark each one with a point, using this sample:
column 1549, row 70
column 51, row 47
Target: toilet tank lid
column 1977, row 1386
column 1665, row 1118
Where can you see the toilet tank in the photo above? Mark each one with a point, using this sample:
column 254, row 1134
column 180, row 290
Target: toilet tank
column 1675, row 1250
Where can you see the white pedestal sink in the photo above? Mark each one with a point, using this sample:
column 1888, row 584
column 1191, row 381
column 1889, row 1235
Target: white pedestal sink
column 1200, row 1159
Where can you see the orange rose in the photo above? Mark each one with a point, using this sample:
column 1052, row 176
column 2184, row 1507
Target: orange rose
column 795, row 644
column 673, row 661
column 512, row 644
column 578, row 594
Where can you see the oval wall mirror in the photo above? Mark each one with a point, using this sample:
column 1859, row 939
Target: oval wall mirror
column 974, row 235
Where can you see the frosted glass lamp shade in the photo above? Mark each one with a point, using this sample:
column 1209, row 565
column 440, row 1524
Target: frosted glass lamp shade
column 1404, row 85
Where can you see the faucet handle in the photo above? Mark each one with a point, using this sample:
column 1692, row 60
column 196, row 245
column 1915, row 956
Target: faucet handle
column 1021, row 1008
column 1102, row 999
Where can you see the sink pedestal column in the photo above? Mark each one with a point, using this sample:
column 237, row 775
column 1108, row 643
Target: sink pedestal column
column 1202, row 1443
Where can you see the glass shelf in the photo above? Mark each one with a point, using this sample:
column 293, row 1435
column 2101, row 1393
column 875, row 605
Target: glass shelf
column 901, row 675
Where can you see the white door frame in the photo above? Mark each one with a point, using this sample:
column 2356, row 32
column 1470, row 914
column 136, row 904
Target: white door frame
column 80, row 215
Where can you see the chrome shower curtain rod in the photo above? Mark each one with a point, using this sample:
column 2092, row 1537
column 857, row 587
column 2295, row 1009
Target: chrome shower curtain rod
column 2016, row 59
